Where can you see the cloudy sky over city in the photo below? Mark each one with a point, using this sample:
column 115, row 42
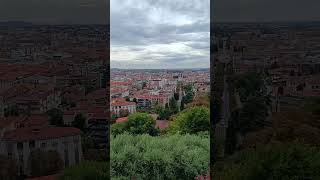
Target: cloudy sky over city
column 55, row 11
column 160, row 33
column 265, row 10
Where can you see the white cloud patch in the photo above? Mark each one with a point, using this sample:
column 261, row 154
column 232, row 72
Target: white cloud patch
column 160, row 33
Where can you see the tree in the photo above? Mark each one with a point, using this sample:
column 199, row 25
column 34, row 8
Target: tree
column 191, row 120
column 127, row 98
column 164, row 113
column 188, row 98
column 176, row 96
column 87, row 171
column 45, row 162
column 173, row 106
column 113, row 117
column 160, row 157
column 79, row 122
column 276, row 161
column 123, row 112
column 134, row 100
column 55, row 116
column 253, row 115
column 249, row 84
column 287, row 126
column 86, row 143
column 182, row 104
column 200, row 101
column 137, row 123
column 144, row 84
column 118, row 128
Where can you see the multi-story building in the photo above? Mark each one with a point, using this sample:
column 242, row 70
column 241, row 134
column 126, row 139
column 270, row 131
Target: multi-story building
column 19, row 143
column 120, row 104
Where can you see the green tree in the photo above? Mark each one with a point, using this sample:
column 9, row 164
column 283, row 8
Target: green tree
column 250, row 84
column 118, row 128
column 253, row 115
column 182, row 105
column 144, row 84
column 55, row 116
column 79, row 122
column 164, row 113
column 87, row 171
column 188, row 98
column 137, row 123
column 200, row 101
column 113, row 117
column 161, row 157
column 276, row 161
column 123, row 112
column 173, row 106
column 45, row 162
column 191, row 120
column 176, row 96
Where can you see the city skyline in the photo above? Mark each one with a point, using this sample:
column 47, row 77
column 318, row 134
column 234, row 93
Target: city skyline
column 160, row 34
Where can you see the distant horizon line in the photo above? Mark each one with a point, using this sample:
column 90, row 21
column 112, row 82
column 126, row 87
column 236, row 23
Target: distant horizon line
column 158, row 68
column 51, row 24
column 265, row 22
column 216, row 22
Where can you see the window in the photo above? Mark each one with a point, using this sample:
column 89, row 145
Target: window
column 20, row 145
column 66, row 158
column 43, row 145
column 77, row 155
column 32, row 144
column 76, row 139
column 21, row 158
column 54, row 144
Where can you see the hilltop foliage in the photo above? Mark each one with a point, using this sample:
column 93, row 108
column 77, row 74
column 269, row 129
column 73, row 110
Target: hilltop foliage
column 161, row 157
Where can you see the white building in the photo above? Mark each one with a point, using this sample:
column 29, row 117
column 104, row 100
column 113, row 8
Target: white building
column 20, row 142
column 118, row 105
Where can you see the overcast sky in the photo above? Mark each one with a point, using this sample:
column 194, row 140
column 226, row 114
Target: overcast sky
column 160, row 33
column 55, row 11
column 266, row 10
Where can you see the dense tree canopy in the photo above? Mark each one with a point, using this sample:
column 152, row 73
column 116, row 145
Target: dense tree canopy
column 249, row 84
column 87, row 171
column 79, row 121
column 191, row 120
column 137, row 123
column 200, row 101
column 164, row 113
column 288, row 126
column 286, row 162
column 55, row 116
column 159, row 157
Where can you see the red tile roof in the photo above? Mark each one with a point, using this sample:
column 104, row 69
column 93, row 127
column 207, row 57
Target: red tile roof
column 162, row 124
column 123, row 119
column 122, row 103
column 50, row 177
column 36, row 120
column 23, row 134
column 4, row 122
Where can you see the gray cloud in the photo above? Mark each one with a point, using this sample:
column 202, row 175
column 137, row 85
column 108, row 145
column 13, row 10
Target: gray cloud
column 160, row 33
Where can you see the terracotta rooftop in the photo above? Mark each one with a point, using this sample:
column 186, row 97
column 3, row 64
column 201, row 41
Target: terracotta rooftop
column 122, row 119
column 23, row 134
